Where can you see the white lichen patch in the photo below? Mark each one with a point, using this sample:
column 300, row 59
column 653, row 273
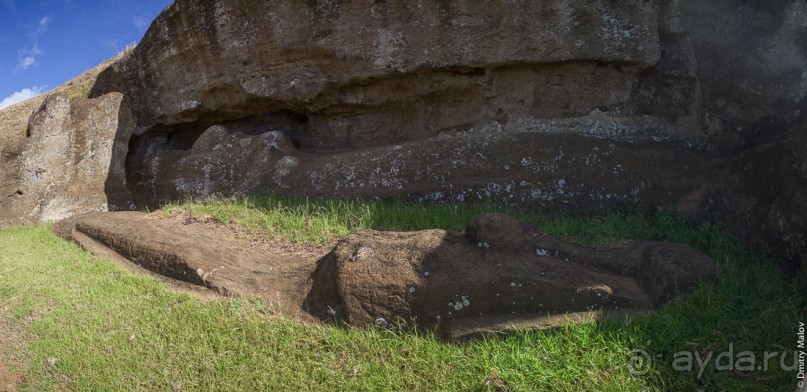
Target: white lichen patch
column 391, row 177
column 362, row 253
column 463, row 302
column 317, row 180
column 283, row 168
column 390, row 50
column 542, row 252
column 189, row 186
column 189, row 105
column 381, row 323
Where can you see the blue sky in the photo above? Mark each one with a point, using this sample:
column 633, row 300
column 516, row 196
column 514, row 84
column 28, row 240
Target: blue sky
column 44, row 43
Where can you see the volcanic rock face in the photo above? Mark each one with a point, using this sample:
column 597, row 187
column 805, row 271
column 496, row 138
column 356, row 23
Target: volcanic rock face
column 527, row 168
column 552, row 104
column 499, row 267
column 355, row 74
column 778, row 221
column 71, row 162
column 338, row 74
column 751, row 66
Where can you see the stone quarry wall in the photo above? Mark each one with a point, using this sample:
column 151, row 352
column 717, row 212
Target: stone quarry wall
column 352, row 74
column 71, row 162
column 582, row 106
column 335, row 74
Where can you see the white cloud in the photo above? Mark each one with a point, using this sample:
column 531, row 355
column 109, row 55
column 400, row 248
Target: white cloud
column 27, row 62
column 21, row 95
column 43, row 24
column 40, row 28
column 28, row 57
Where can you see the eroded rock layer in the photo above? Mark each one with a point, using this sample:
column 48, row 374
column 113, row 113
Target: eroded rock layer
column 353, row 74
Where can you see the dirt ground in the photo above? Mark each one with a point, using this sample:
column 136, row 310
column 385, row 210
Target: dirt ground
column 238, row 235
column 12, row 372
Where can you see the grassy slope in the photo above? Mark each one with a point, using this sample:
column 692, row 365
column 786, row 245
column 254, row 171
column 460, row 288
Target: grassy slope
column 14, row 119
column 110, row 330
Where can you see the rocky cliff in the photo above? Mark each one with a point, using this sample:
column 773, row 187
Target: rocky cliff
column 694, row 106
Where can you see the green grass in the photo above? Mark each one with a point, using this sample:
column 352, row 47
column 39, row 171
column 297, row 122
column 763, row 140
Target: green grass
column 323, row 221
column 81, row 90
column 111, row 330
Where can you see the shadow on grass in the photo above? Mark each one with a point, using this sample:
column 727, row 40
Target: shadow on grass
column 736, row 333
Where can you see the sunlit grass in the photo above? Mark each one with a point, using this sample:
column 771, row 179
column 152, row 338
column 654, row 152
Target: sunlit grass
column 107, row 329
column 323, row 221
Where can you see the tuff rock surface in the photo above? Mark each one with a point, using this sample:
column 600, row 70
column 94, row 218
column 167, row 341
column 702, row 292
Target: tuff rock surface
column 553, row 104
column 337, row 74
column 72, row 161
column 342, row 74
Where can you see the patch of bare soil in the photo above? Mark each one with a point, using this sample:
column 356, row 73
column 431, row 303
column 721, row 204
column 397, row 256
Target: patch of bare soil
column 237, row 234
column 12, row 370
